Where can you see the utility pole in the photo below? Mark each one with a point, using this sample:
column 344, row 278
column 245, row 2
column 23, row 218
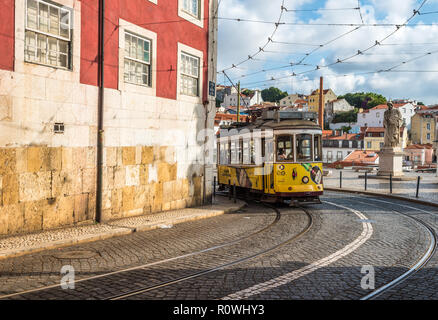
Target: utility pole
column 321, row 102
column 238, row 101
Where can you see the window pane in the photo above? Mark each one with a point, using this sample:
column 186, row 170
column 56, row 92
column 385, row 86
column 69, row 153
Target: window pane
column 32, row 13
column 63, row 62
column 127, row 44
column 285, row 150
column 54, row 20
column 139, row 49
column 44, row 17
column 65, row 24
column 63, row 46
column 304, row 147
column 30, row 46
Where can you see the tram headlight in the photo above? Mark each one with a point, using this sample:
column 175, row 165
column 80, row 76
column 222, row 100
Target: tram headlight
column 305, row 179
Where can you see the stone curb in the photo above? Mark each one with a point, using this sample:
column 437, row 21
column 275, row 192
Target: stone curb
column 120, row 231
column 384, row 195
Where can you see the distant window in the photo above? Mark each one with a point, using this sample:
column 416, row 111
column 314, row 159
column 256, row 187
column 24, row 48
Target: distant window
column 428, row 126
column 329, row 156
column 378, row 115
column 339, row 155
column 428, row 136
column 381, row 145
column 369, row 144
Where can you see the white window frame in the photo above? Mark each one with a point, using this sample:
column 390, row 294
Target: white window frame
column 47, row 71
column 199, row 21
column 182, row 74
column 182, row 48
column 37, row 32
column 142, row 62
column 127, row 27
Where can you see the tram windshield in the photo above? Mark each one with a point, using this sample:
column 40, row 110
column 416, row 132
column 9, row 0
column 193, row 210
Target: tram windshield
column 304, row 147
column 285, row 148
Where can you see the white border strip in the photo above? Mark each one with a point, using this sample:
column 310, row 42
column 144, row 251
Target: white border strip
column 289, row 277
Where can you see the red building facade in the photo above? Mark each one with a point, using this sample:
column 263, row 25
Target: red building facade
column 159, row 57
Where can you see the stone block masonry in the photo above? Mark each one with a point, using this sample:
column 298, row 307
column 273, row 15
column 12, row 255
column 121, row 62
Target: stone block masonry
column 50, row 187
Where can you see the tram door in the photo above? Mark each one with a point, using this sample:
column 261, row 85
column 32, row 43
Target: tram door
column 268, row 155
column 269, row 178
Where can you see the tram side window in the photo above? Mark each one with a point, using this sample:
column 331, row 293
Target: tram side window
column 304, row 147
column 252, row 151
column 223, row 151
column 269, row 150
column 317, row 146
column 285, row 151
column 246, row 154
column 234, row 155
column 240, row 151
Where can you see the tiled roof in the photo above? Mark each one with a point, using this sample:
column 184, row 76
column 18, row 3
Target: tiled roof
column 420, row 146
column 362, row 156
column 345, row 136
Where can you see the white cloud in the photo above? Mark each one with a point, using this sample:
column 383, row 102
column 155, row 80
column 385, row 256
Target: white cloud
column 237, row 40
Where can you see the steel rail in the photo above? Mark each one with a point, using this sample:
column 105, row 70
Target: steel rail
column 211, row 270
column 226, row 244
column 420, row 263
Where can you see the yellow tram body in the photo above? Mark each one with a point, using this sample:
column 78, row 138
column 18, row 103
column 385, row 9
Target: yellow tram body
column 295, row 177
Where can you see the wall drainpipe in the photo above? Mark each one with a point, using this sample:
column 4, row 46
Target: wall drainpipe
column 100, row 130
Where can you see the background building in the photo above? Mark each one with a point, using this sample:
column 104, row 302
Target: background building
column 374, row 117
column 338, row 145
column 374, row 138
column 313, row 99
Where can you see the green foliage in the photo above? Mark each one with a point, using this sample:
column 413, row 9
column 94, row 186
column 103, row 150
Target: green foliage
column 366, row 100
column 247, row 92
column 420, row 103
column 273, row 94
column 349, row 116
column 218, row 103
column 346, row 129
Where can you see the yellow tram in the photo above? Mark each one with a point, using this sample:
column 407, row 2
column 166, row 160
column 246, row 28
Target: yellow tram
column 279, row 157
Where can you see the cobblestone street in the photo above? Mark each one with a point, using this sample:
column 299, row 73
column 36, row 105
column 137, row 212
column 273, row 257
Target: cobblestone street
column 259, row 252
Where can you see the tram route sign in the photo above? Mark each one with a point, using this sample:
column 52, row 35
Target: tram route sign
column 212, row 88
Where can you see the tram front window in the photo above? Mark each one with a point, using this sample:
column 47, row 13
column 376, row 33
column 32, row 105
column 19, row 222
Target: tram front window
column 304, row 147
column 285, row 151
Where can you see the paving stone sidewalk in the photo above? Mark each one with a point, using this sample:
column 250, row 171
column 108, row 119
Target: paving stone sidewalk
column 30, row 243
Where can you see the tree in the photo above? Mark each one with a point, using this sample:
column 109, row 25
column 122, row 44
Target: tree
column 273, row 94
column 420, row 103
column 346, row 129
column 349, row 117
column 363, row 100
column 247, row 92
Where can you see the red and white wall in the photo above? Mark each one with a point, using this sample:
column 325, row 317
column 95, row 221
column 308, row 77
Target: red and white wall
column 154, row 158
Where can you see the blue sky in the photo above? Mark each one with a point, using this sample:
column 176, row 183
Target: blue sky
column 291, row 43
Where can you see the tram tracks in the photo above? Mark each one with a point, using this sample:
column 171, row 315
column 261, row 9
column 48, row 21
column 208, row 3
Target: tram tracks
column 418, row 265
column 220, row 267
column 175, row 259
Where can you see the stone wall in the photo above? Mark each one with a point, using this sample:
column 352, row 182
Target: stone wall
column 45, row 188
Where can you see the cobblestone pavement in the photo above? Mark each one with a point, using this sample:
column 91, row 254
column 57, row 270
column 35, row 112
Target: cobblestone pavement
column 428, row 184
column 395, row 244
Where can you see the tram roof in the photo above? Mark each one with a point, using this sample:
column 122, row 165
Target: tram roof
column 279, row 120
